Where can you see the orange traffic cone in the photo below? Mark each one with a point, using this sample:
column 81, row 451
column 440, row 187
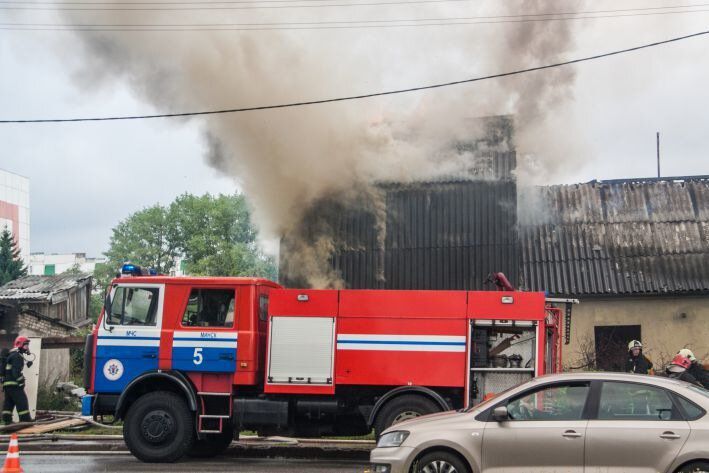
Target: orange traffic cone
column 12, row 460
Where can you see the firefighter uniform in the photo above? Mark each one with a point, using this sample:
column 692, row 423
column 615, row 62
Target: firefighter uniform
column 14, row 387
column 638, row 364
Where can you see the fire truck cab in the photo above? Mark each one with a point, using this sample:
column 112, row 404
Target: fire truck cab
column 187, row 363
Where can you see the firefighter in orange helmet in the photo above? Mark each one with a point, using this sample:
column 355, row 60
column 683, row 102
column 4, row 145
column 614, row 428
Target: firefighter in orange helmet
column 13, row 383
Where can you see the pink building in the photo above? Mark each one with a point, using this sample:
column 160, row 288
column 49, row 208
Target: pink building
column 15, row 209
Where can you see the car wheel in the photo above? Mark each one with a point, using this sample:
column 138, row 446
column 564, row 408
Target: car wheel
column 698, row 467
column 403, row 408
column 159, row 428
column 440, row 462
column 212, row 445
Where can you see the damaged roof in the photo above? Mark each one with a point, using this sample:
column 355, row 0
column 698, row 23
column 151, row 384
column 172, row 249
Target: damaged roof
column 41, row 288
column 627, row 236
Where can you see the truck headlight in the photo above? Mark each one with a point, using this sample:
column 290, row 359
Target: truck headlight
column 392, row 439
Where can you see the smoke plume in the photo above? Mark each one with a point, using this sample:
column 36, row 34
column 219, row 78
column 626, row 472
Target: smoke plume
column 285, row 159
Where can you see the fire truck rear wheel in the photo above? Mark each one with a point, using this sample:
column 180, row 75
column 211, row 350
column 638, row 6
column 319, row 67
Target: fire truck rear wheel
column 159, row 427
column 402, row 408
column 212, row 444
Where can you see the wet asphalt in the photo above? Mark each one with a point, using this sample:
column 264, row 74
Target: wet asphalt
column 127, row 463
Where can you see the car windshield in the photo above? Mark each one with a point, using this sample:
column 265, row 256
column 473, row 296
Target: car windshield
column 699, row 390
column 492, row 399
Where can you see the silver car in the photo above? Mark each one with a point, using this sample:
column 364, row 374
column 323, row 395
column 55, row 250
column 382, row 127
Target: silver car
column 575, row 422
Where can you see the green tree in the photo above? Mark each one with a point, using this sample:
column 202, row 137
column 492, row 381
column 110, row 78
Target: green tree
column 213, row 234
column 217, row 238
column 11, row 265
column 146, row 238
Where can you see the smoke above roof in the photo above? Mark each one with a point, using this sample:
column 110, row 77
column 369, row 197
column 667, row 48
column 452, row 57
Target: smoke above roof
column 286, row 159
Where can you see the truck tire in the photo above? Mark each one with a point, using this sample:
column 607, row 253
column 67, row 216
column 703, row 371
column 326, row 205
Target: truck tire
column 402, row 408
column 212, row 444
column 159, row 427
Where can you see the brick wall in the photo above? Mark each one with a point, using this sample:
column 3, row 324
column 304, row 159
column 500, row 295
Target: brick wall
column 30, row 325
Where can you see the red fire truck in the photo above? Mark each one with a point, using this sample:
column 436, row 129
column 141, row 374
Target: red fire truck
column 187, row 363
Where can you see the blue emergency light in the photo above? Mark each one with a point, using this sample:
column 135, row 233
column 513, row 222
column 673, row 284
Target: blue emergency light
column 130, row 269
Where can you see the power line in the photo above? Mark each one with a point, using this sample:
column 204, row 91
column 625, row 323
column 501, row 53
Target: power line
column 100, row 6
column 364, row 96
column 315, row 25
column 305, row 25
column 257, row 7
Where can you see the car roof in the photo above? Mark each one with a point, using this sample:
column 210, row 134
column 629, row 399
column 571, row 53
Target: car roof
column 610, row 376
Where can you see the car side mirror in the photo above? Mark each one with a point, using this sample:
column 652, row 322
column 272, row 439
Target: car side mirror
column 500, row 414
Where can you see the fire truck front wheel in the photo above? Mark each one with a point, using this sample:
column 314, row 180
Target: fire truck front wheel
column 401, row 408
column 159, row 427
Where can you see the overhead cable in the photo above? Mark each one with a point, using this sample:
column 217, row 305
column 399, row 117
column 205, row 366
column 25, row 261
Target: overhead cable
column 228, row 5
column 302, row 25
column 364, row 96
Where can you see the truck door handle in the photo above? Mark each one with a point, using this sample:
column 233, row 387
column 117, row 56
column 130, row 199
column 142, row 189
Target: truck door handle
column 149, row 355
column 571, row 434
column 670, row 435
column 226, row 356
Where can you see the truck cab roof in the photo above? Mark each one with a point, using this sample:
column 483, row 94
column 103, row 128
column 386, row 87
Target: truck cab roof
column 206, row 280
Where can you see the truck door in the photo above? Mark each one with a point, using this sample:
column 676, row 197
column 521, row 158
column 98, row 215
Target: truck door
column 129, row 335
column 205, row 340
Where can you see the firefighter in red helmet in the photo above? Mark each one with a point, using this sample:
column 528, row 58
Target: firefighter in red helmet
column 13, row 383
column 679, row 369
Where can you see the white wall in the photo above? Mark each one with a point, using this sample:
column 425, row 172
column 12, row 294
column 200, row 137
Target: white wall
column 62, row 262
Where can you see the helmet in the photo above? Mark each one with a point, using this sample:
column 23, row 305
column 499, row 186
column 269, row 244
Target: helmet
column 686, row 352
column 634, row 344
column 20, row 342
column 680, row 360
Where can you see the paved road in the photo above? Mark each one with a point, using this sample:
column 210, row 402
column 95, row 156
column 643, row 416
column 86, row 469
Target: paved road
column 126, row 463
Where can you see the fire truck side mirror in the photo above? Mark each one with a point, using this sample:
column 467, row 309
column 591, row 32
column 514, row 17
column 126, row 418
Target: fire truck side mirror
column 500, row 414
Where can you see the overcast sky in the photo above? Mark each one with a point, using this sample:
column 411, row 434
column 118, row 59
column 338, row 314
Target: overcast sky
column 85, row 177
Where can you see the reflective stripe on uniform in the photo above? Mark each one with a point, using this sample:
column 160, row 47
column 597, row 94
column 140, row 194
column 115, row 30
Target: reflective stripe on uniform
column 9, row 383
column 19, row 413
column 6, row 412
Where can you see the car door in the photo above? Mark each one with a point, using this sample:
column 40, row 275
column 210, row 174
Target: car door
column 128, row 336
column 637, row 428
column 544, row 433
column 206, row 339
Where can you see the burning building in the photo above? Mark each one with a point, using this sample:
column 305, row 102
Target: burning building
column 634, row 251
column 447, row 233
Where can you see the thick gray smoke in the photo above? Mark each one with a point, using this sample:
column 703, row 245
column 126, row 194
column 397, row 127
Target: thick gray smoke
column 287, row 158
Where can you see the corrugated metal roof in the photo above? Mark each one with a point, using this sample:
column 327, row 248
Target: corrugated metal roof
column 41, row 287
column 440, row 235
column 618, row 237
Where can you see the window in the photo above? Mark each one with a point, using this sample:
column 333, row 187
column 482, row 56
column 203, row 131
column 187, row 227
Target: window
column 49, row 270
column 624, row 401
column 612, row 345
column 210, row 308
column 263, row 307
column 134, row 306
column 691, row 410
column 556, row 402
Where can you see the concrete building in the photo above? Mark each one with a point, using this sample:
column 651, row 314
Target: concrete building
column 15, row 209
column 49, row 264
column 636, row 254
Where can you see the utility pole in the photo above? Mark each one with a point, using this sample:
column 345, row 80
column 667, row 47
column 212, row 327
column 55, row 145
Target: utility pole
column 658, row 154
